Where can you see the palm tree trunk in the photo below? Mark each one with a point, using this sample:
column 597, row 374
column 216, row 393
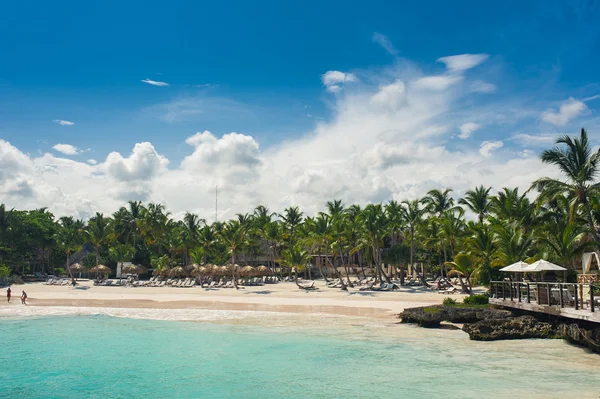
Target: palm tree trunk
column 233, row 270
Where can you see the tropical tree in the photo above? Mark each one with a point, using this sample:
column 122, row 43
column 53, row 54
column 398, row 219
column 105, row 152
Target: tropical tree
column 99, row 233
column 578, row 162
column 412, row 213
column 477, row 201
column 296, row 258
column 234, row 237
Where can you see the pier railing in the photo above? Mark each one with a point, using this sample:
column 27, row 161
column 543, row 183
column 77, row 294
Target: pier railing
column 579, row 296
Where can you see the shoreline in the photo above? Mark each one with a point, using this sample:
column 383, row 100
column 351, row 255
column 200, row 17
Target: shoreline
column 282, row 297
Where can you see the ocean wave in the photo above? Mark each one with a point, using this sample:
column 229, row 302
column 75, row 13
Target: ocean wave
column 208, row 315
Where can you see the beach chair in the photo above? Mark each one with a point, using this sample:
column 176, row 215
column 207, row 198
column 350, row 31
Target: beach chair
column 367, row 287
column 452, row 290
column 308, row 287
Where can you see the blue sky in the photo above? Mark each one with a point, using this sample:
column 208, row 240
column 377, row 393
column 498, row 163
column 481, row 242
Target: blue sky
column 257, row 68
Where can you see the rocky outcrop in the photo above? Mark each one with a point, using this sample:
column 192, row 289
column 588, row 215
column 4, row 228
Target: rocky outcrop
column 490, row 324
column 520, row 327
column 587, row 335
column 432, row 316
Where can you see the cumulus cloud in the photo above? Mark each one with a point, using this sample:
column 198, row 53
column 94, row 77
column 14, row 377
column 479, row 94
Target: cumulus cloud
column 92, row 162
column 385, row 42
column 487, row 147
column 333, row 80
column 63, row 122
column 466, row 129
column 142, row 164
column 462, row 62
column 568, row 110
column 388, row 138
column 155, row 83
column 66, row 149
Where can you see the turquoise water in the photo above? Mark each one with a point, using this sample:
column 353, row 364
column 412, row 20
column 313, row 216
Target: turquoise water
column 108, row 357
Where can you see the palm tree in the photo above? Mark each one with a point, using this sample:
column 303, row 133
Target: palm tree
column 483, row 249
column 99, row 233
column 412, row 213
column 579, row 163
column 121, row 253
column 374, row 227
column 335, row 207
column 191, row 229
column 463, row 265
column 234, row 236
column 512, row 240
column 438, row 201
column 320, row 235
column 295, row 258
column 69, row 239
column 477, row 201
column 566, row 242
column 292, row 217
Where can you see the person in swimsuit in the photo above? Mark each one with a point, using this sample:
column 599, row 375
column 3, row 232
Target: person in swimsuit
column 24, row 298
column 8, row 293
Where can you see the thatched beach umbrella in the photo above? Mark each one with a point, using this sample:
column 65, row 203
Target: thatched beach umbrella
column 247, row 271
column 177, row 272
column 134, row 269
column 101, row 269
column 77, row 268
column 224, row 271
column 190, row 268
column 198, row 271
column 263, row 271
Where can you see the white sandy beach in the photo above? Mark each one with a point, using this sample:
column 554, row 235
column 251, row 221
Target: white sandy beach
column 282, row 297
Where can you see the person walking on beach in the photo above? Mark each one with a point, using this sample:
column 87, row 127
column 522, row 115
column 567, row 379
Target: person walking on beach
column 8, row 293
column 24, row 298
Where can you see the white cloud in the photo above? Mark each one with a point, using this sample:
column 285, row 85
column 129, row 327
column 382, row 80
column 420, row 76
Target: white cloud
column 441, row 82
column 387, row 138
column 63, row 122
column 458, row 63
column 66, row 149
column 480, row 86
column 144, row 163
column 92, row 162
column 466, row 129
column 333, row 80
column 385, row 42
column 568, row 110
column 535, row 140
column 486, row 148
column 155, row 83
column 392, row 95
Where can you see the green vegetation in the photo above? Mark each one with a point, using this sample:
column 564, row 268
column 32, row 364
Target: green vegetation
column 431, row 310
column 469, row 237
column 449, row 301
column 476, row 300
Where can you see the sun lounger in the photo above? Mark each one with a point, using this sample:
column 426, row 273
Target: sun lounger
column 308, row 287
column 452, row 290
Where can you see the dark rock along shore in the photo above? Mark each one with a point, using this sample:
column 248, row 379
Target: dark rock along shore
column 490, row 324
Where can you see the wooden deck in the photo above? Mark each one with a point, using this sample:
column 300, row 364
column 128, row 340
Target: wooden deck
column 570, row 300
column 571, row 313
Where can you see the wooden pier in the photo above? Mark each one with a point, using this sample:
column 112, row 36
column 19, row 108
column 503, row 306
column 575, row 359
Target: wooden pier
column 570, row 300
